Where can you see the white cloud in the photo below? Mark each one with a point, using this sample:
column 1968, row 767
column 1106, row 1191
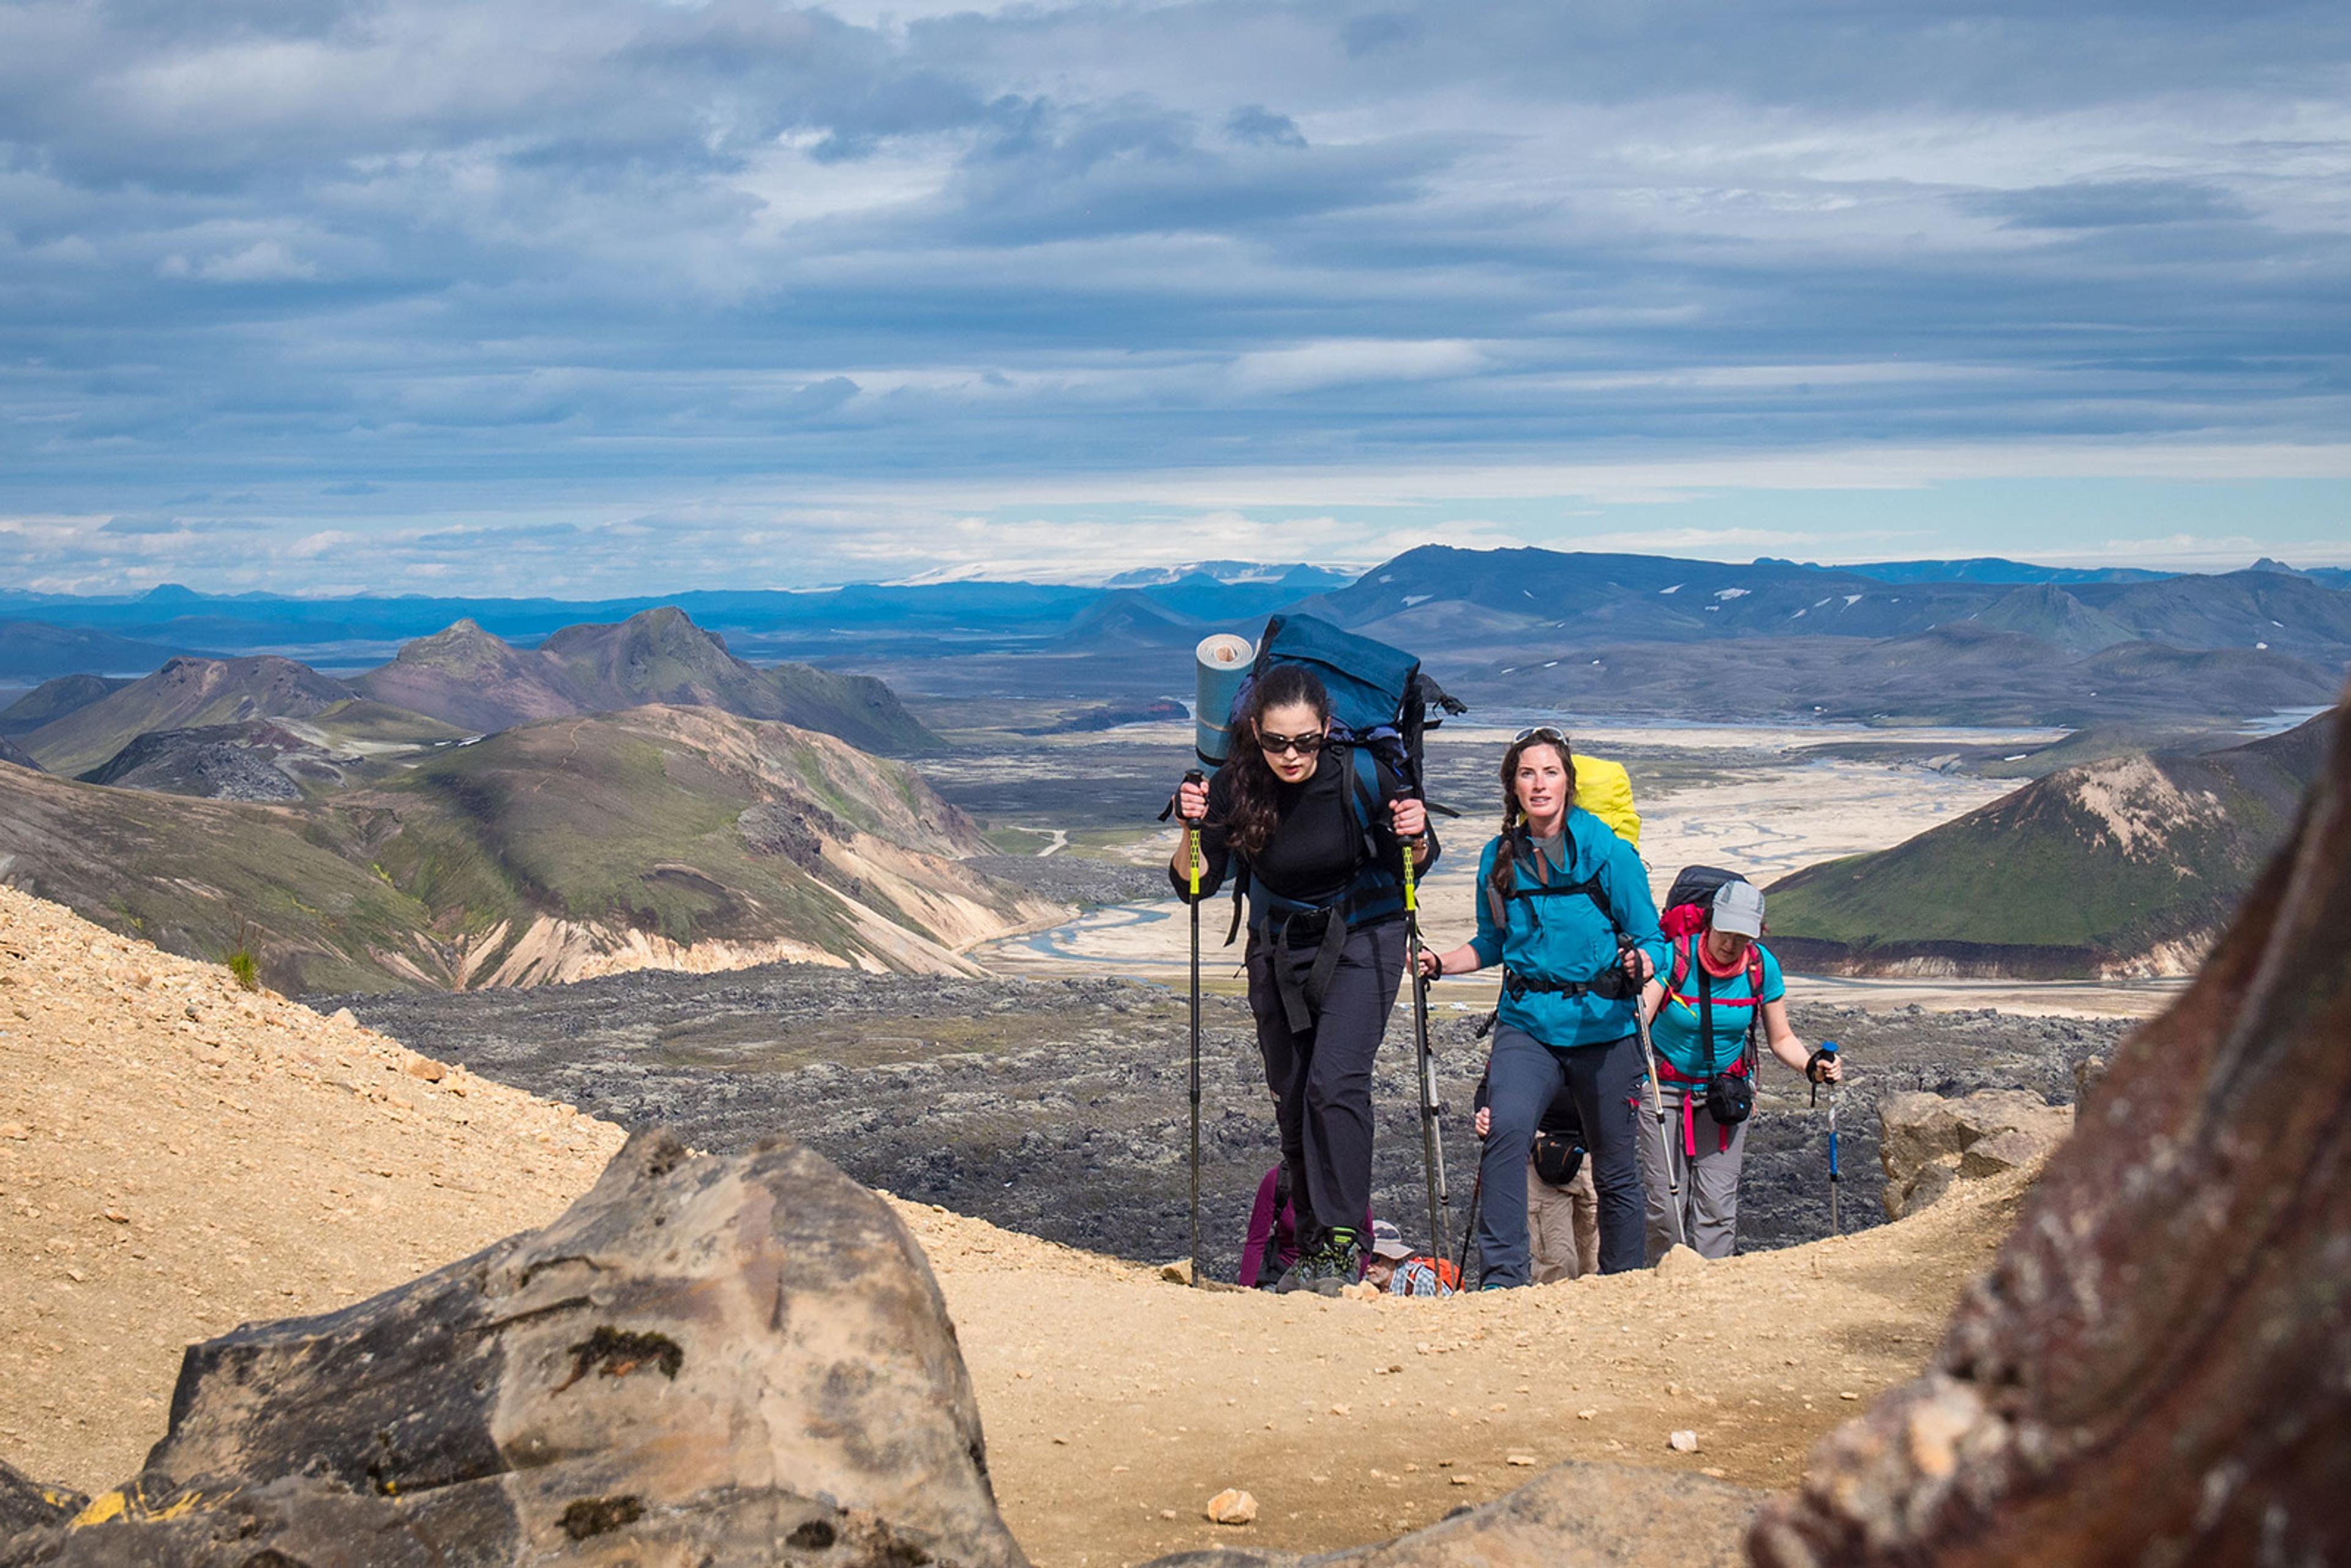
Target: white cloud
column 1275, row 371
column 264, row 261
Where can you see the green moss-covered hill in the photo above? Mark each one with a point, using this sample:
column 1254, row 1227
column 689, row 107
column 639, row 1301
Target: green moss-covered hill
column 654, row 836
column 2128, row 865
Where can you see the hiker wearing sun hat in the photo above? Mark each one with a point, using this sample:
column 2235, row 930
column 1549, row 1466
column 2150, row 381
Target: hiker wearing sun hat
column 1393, row 1266
column 1720, row 991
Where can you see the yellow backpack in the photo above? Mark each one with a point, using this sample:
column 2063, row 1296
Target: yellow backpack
column 1604, row 789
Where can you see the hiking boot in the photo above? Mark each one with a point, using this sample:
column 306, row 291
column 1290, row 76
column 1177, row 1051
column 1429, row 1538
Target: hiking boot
column 1327, row 1270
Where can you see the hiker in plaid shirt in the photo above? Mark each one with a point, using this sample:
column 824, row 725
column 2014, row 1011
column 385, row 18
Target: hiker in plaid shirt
column 1390, row 1266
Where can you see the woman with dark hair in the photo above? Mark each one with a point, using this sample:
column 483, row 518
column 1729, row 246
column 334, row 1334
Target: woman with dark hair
column 1566, row 911
column 1315, row 834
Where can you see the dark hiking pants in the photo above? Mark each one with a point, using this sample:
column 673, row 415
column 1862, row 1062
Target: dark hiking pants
column 1323, row 1079
column 1522, row 1080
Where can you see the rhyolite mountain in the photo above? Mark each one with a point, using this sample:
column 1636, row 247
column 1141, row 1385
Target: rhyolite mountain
column 352, row 742
column 2123, row 867
column 53, row 699
column 460, row 680
column 184, row 693
column 650, row 837
column 466, row 676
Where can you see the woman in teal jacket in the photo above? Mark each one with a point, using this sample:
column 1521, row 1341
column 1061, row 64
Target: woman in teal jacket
column 1566, row 911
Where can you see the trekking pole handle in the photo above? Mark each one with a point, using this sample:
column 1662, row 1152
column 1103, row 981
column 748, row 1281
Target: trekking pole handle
column 1192, row 832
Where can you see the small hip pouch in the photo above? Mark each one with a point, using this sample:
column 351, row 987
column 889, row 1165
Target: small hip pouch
column 1557, row 1159
column 1729, row 1098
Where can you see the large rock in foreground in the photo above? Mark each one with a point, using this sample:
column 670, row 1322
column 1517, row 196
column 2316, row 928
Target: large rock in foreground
column 1926, row 1142
column 2157, row 1368
column 702, row 1362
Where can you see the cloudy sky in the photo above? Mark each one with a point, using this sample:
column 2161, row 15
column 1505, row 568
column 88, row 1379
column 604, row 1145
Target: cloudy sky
column 590, row 296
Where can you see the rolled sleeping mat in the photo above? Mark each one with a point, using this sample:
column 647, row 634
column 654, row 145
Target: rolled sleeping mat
column 1221, row 663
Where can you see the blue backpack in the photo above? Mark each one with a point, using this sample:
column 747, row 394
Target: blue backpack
column 1380, row 703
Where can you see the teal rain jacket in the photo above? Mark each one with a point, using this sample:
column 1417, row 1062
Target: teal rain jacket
column 1564, row 939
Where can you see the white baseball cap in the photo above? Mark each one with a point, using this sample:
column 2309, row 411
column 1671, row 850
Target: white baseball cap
column 1737, row 909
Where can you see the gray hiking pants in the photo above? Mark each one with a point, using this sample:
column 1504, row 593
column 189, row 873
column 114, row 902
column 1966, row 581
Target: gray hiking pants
column 1521, row 1079
column 1321, row 1079
column 1709, row 1181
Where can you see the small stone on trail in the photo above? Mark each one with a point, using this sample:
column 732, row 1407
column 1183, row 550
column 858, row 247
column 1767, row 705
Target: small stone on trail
column 1178, row 1273
column 342, row 1016
column 425, row 1068
column 1585, row 1415
column 1682, row 1442
column 1342, row 1409
column 1461, row 1481
column 1522, row 1460
column 1847, row 1393
column 1232, row 1506
column 1166, row 1513
column 15, row 1130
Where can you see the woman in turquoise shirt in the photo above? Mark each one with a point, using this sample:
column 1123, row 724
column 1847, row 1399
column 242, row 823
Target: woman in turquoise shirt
column 1566, row 911
column 1721, row 974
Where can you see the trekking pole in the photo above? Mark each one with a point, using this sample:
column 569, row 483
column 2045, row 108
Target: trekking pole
column 1432, row 1140
column 1192, row 844
column 1835, row 1179
column 1665, row 1143
column 1469, row 1229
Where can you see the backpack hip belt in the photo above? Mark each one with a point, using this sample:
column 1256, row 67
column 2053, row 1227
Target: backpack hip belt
column 1613, row 984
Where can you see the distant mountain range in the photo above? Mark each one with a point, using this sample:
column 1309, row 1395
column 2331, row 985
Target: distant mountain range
column 1515, row 628
column 145, row 629
column 2123, row 867
column 36, row 650
column 673, row 837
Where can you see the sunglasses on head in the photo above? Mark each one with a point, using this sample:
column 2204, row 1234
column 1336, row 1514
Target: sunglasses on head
column 1281, row 745
column 1540, row 732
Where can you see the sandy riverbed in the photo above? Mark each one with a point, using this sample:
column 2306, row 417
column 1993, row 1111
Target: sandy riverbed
column 1751, row 801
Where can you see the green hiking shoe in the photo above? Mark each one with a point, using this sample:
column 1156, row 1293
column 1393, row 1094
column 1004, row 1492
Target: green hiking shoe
column 1327, row 1270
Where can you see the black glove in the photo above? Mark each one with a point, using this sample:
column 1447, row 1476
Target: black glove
column 1813, row 1065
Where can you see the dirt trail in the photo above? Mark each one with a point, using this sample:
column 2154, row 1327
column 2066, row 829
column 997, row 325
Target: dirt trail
column 1114, row 1399
column 177, row 1156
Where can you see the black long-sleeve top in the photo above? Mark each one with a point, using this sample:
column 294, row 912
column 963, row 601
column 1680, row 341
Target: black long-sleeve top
column 1314, row 851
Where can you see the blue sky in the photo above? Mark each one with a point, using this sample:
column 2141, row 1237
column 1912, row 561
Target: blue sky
column 581, row 296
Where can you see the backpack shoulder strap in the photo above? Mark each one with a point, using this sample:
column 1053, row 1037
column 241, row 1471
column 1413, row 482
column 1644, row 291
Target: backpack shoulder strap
column 1705, row 1007
column 1755, row 1012
column 1364, row 797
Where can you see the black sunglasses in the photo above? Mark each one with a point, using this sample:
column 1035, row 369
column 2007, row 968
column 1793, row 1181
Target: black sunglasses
column 1280, row 745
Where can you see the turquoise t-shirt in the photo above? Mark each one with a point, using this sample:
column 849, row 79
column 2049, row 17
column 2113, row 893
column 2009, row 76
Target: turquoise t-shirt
column 1674, row 1029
